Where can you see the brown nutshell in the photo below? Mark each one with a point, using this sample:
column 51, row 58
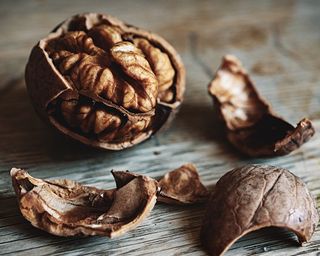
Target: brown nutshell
column 103, row 82
column 250, row 124
column 254, row 197
column 182, row 186
column 67, row 208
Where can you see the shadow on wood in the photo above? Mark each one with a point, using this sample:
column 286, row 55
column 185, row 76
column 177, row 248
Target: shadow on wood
column 269, row 239
column 199, row 123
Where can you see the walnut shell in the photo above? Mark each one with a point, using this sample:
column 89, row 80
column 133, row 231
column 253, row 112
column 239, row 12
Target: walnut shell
column 254, row 197
column 67, row 208
column 182, row 186
column 103, row 82
column 251, row 126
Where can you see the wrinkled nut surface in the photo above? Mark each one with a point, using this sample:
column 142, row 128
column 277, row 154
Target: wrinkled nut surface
column 254, row 197
column 103, row 82
column 251, row 125
column 182, row 186
column 67, row 208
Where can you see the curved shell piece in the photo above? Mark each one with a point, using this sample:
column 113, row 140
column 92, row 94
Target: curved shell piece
column 254, row 197
column 251, row 125
column 67, row 208
column 182, row 186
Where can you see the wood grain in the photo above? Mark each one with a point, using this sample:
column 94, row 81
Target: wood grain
column 278, row 41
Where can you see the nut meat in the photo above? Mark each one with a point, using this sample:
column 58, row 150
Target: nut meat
column 254, row 197
column 251, row 125
column 67, row 208
column 103, row 82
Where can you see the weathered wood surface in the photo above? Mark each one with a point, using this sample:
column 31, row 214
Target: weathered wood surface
column 279, row 42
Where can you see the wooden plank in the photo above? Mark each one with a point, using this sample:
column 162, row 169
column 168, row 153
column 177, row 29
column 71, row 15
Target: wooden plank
column 277, row 41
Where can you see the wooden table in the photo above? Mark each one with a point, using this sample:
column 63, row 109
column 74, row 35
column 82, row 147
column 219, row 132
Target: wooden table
column 279, row 43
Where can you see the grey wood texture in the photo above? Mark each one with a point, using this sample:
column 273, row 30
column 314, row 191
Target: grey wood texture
column 279, row 43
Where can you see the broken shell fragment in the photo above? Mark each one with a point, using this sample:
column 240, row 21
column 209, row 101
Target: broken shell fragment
column 255, row 197
column 251, row 125
column 182, row 186
column 67, row 208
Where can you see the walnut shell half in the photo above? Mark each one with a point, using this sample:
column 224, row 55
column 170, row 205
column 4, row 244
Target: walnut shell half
column 67, row 208
column 254, row 197
column 103, row 82
column 251, row 125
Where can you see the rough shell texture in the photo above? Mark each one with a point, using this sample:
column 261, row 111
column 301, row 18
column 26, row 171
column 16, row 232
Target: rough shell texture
column 103, row 82
column 182, row 186
column 251, row 125
column 67, row 208
column 254, row 197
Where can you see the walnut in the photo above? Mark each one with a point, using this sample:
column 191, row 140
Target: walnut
column 182, row 186
column 103, row 82
column 254, row 197
column 67, row 208
column 251, row 126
